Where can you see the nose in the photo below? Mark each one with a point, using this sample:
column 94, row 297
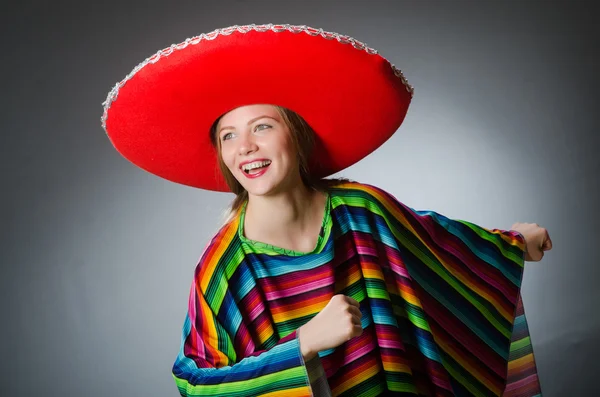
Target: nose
column 247, row 144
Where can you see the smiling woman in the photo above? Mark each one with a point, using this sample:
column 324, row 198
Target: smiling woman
column 258, row 136
column 264, row 129
column 318, row 286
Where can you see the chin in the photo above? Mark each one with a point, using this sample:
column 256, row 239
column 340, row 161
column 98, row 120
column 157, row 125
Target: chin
column 263, row 188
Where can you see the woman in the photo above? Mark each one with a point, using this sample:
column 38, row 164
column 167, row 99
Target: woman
column 313, row 286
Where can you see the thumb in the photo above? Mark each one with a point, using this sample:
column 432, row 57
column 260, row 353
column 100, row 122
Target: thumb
column 547, row 245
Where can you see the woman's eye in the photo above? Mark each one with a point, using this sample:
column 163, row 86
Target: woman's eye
column 227, row 136
column 258, row 127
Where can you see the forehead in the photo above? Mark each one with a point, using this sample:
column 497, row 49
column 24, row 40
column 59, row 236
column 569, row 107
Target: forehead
column 249, row 112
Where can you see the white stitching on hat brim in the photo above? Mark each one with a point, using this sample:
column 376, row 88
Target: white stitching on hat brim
column 112, row 95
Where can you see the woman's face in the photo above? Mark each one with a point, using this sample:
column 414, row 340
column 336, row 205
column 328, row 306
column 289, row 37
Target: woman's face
column 257, row 148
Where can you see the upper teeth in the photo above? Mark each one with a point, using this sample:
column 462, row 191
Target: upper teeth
column 256, row 164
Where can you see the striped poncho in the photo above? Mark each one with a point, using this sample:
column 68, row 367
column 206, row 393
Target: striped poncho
column 440, row 302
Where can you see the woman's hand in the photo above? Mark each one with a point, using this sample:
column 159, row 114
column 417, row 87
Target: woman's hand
column 537, row 240
column 337, row 323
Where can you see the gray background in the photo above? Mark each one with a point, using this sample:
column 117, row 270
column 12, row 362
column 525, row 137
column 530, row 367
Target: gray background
column 98, row 256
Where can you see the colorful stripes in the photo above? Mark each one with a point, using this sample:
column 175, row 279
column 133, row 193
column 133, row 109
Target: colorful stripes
column 440, row 303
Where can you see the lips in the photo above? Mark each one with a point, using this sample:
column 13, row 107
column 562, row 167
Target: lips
column 254, row 164
column 255, row 167
column 256, row 174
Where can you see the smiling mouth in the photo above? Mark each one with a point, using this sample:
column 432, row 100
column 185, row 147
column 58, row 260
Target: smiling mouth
column 255, row 167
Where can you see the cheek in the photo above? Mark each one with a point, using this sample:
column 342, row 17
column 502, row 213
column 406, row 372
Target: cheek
column 228, row 157
column 287, row 150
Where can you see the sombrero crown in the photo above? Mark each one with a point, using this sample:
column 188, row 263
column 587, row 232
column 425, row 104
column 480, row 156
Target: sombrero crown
column 160, row 115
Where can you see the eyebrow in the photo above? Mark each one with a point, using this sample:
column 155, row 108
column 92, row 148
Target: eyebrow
column 249, row 122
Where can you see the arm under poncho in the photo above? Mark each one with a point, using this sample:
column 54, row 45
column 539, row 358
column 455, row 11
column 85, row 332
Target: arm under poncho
column 468, row 286
column 451, row 288
column 208, row 364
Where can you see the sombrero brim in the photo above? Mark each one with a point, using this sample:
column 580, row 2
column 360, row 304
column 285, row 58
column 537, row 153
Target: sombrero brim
column 159, row 116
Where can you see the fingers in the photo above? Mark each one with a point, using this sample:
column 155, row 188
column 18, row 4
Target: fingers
column 548, row 243
column 356, row 314
column 536, row 238
column 355, row 311
column 344, row 298
column 350, row 306
column 352, row 301
column 356, row 322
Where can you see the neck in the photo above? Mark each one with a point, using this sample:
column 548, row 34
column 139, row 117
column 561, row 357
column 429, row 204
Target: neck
column 289, row 219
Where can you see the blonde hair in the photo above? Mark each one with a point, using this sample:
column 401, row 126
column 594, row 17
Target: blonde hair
column 303, row 139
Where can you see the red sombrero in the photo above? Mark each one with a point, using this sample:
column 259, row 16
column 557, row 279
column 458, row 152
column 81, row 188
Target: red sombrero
column 159, row 116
